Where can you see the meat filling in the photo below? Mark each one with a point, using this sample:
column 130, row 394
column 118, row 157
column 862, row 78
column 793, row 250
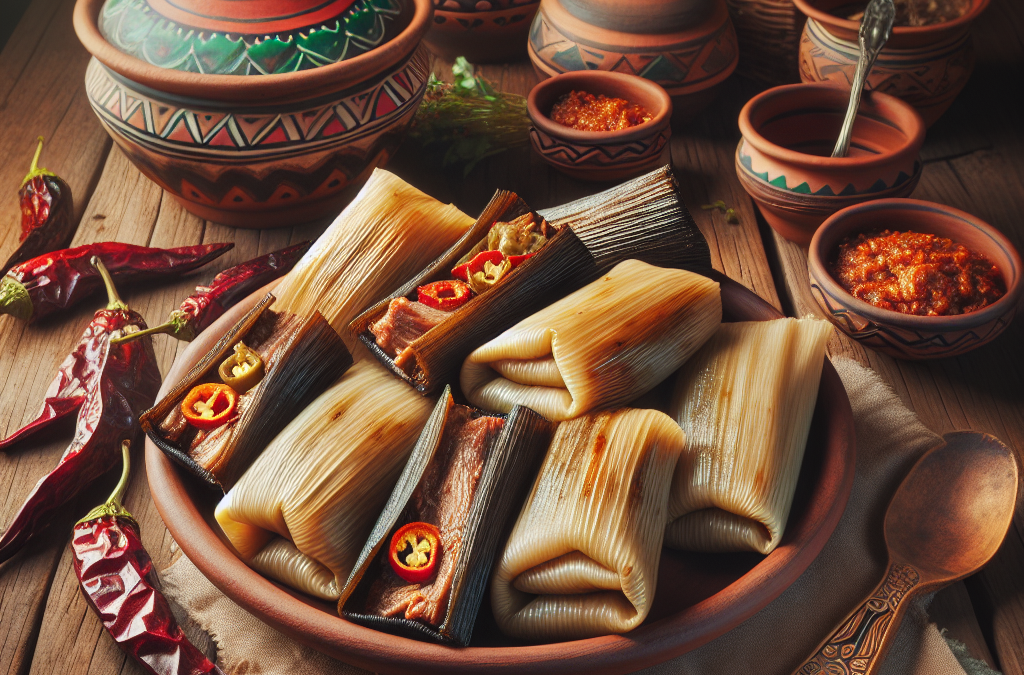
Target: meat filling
column 403, row 323
column 443, row 498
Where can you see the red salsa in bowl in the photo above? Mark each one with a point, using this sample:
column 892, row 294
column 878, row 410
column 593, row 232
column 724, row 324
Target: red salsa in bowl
column 916, row 273
column 584, row 111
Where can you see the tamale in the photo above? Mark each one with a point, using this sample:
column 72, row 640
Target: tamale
column 583, row 556
column 436, row 355
column 745, row 402
column 302, row 511
column 302, row 357
column 642, row 219
column 600, row 347
column 468, row 475
column 388, row 232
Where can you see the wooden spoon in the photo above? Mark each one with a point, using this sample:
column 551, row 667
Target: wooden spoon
column 945, row 521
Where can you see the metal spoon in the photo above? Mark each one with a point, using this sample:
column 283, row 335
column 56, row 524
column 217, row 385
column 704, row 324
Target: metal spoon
column 875, row 29
column 945, row 521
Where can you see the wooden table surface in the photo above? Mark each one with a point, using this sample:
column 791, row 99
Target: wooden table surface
column 974, row 160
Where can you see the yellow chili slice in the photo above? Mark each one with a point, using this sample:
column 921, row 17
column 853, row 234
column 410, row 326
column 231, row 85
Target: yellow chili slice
column 243, row 370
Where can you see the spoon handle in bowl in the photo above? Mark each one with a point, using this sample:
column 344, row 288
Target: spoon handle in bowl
column 860, row 642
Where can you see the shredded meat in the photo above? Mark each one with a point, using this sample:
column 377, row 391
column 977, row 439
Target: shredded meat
column 403, row 323
column 443, row 498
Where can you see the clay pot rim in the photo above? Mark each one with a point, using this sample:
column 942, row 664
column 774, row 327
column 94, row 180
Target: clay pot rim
column 246, row 88
column 479, row 12
column 826, row 19
column 607, row 83
column 901, row 114
column 605, row 38
column 825, row 241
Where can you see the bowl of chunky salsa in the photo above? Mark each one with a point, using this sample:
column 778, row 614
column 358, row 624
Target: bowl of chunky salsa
column 598, row 125
column 914, row 279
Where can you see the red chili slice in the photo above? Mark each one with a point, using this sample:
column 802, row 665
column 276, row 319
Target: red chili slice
column 209, row 405
column 477, row 264
column 447, row 294
column 516, row 259
column 414, row 552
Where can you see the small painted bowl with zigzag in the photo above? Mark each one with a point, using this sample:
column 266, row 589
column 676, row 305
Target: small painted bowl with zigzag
column 784, row 159
column 906, row 336
column 601, row 155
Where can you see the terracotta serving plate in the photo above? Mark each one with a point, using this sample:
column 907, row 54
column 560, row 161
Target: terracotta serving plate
column 699, row 596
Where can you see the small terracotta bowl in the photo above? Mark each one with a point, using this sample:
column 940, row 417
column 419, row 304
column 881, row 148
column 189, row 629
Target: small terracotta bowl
column 783, row 160
column 600, row 155
column 901, row 335
column 484, row 31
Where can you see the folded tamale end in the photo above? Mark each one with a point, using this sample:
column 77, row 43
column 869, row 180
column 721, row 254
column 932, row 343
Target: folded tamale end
column 717, row 531
column 280, row 560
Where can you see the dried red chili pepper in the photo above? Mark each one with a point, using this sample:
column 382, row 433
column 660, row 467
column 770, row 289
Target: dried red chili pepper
column 55, row 281
column 118, row 581
column 414, row 551
column 208, row 303
column 447, row 294
column 110, row 386
column 47, row 213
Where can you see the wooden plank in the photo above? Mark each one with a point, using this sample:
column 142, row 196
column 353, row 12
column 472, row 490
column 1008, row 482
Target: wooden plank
column 45, row 95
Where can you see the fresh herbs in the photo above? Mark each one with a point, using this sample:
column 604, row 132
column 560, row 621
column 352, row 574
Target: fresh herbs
column 469, row 120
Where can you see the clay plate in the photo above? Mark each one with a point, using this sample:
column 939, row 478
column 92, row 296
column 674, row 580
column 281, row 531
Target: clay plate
column 715, row 591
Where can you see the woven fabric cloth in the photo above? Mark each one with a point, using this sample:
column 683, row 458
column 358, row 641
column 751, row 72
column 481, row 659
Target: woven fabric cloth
column 774, row 641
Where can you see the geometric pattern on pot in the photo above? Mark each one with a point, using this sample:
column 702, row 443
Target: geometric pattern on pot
column 200, row 130
column 902, row 342
column 680, row 68
column 483, row 15
column 623, row 154
column 803, row 188
column 136, row 29
column 928, row 77
column 242, row 160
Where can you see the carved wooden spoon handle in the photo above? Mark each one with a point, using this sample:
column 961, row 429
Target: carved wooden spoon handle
column 858, row 646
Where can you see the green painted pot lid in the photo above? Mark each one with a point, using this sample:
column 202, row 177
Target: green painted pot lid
column 247, row 37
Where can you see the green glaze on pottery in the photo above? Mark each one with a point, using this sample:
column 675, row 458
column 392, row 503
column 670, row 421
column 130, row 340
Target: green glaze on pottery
column 136, row 29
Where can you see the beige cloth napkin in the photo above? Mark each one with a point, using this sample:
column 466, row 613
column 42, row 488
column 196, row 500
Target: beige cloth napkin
column 774, row 641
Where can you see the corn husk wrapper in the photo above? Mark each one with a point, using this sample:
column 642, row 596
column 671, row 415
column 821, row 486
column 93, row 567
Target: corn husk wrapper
column 600, row 347
column 583, row 556
column 321, row 483
column 305, row 358
column 745, row 402
column 389, row 232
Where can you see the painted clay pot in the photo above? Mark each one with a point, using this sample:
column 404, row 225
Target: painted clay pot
column 248, row 149
column 640, row 16
column 689, row 63
column 601, row 155
column 783, row 160
column 900, row 335
column 927, row 66
column 484, row 31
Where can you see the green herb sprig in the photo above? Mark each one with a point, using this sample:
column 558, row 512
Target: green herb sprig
column 469, row 120
column 731, row 216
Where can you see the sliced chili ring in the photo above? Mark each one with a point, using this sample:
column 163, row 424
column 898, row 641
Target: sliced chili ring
column 209, row 405
column 465, row 270
column 447, row 294
column 243, row 370
column 414, row 552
